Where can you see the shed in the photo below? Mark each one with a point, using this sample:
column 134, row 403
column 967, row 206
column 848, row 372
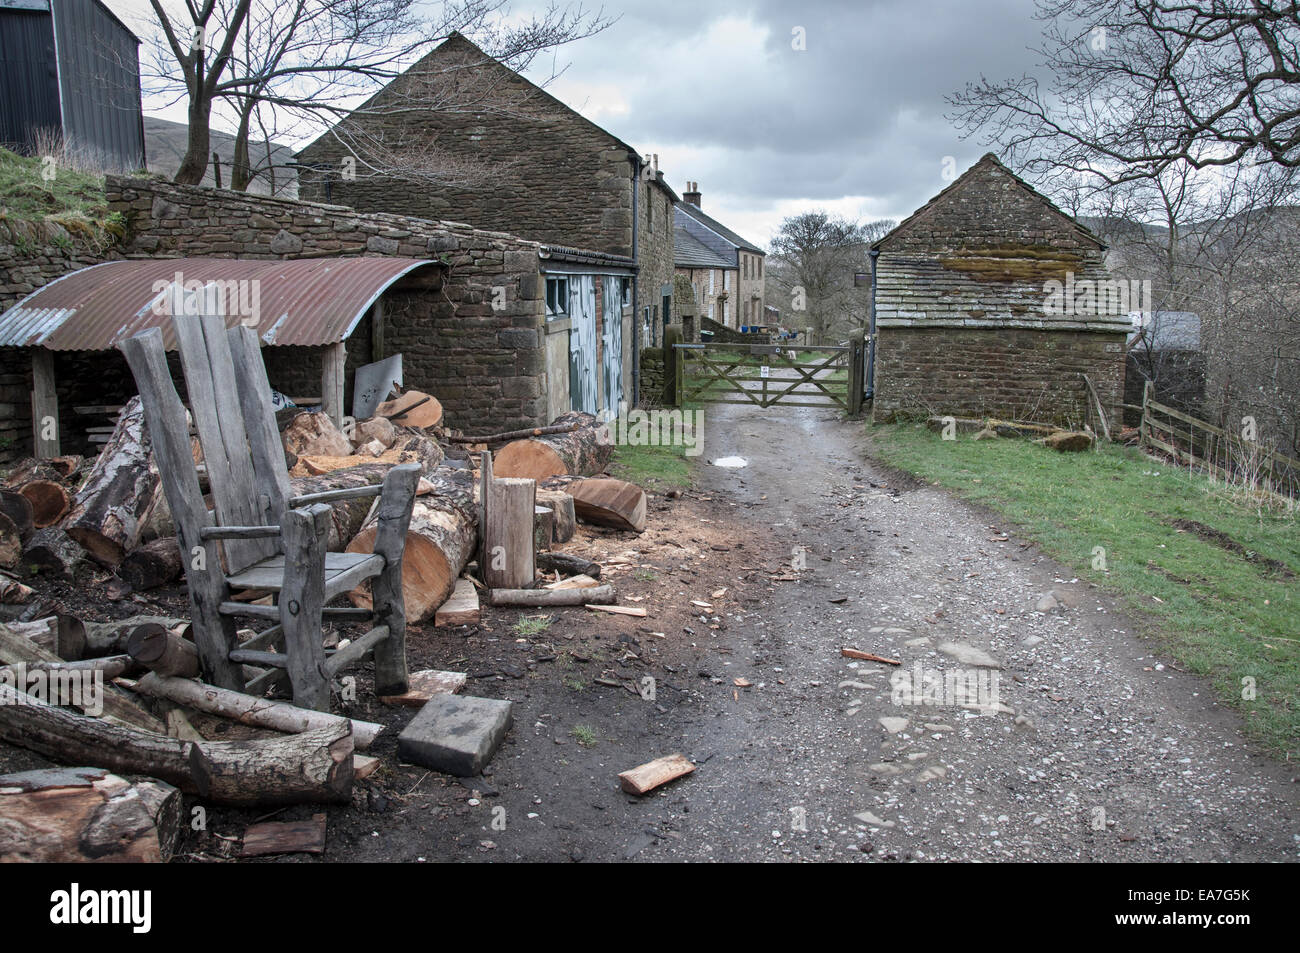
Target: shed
column 71, row 67
column 315, row 304
column 991, row 301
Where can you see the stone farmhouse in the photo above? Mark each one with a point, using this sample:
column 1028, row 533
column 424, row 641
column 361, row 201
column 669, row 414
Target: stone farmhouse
column 727, row 271
column 991, row 301
column 536, row 169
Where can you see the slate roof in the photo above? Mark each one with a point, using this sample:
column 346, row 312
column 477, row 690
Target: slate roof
column 690, row 252
column 713, row 225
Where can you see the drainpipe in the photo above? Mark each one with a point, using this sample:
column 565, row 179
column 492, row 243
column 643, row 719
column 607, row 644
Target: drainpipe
column 871, row 334
column 636, row 289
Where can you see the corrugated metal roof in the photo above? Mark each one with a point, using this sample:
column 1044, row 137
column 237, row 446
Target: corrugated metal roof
column 309, row 301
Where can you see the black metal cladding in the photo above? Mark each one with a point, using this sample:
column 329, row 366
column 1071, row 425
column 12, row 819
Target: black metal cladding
column 92, row 60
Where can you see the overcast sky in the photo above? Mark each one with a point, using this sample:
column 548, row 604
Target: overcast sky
column 853, row 124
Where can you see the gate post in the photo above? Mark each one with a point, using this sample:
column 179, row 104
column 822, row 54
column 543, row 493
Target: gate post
column 857, row 350
column 672, row 395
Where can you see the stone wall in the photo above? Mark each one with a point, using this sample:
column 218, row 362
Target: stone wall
column 652, row 375
column 655, row 254
column 1016, row 374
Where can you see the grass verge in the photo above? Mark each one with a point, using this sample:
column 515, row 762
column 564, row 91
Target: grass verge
column 652, row 468
column 1217, row 583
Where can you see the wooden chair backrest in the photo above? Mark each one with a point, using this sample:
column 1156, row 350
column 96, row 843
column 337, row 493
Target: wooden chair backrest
column 230, row 401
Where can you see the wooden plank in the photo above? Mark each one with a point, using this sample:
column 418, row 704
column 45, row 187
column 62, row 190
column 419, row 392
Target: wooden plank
column 269, row 467
column 45, row 405
column 461, row 608
column 424, row 685
column 269, row 573
column 646, row 777
column 333, row 362
column 207, row 589
column 301, row 601
column 394, row 520
column 619, row 610
column 285, row 837
column 508, row 557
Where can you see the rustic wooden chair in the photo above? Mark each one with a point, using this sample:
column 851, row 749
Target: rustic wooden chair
column 269, row 539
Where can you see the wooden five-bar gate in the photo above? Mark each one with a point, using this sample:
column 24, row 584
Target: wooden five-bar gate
column 767, row 375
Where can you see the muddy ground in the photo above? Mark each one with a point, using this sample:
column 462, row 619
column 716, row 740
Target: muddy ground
column 1100, row 750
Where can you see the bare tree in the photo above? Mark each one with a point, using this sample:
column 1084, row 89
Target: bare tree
column 288, row 67
column 816, row 256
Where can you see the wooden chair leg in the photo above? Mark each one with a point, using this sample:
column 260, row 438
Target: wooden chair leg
column 301, row 602
column 395, row 504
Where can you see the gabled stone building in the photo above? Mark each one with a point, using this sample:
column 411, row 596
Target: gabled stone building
column 726, row 269
column 991, row 301
column 601, row 211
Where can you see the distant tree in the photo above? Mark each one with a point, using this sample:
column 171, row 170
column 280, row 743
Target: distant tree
column 816, row 257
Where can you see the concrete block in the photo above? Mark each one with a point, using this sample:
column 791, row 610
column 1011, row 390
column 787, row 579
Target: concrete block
column 455, row 734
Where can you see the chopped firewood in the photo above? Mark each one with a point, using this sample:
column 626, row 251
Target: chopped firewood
column 581, row 581
column 376, row 428
column 564, row 518
column 78, row 815
column 50, row 501
column 424, row 685
column 568, row 563
column 363, row 766
column 653, row 774
column 610, row 503
column 19, row 511
column 509, row 557
column 285, row 837
column 461, row 608
column 553, row 597
column 868, row 657
column 156, row 563
column 163, row 651
column 314, row 434
column 412, row 409
column 619, row 610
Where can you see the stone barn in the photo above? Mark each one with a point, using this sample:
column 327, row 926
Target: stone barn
column 991, row 301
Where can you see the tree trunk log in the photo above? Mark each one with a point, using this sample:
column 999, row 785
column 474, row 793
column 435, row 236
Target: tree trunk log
column 25, row 471
column 110, row 638
column 80, row 815
column 508, row 560
column 609, row 503
column 53, row 550
column 62, row 635
column 50, row 501
column 250, row 710
column 582, row 452
column 19, row 511
column 11, row 543
column 566, row 522
column 163, row 651
column 566, row 563
column 314, row 766
column 412, row 409
column 596, row 595
column 314, row 435
column 108, row 516
column 543, row 529
column 440, row 541
column 156, row 563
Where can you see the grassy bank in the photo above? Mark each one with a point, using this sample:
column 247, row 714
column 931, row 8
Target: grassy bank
column 1217, row 582
column 652, row 468
column 53, row 202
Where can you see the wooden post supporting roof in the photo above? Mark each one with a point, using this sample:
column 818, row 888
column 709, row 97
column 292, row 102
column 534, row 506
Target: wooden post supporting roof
column 45, row 405
column 331, row 381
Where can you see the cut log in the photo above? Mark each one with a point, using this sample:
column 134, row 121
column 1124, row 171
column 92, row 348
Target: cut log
column 156, row 563
column 412, row 409
column 25, row 471
column 13, row 592
column 11, row 543
column 156, row 522
column 52, row 550
column 62, row 635
column 377, row 428
column 110, row 638
column 561, row 504
column 652, row 774
column 439, row 543
column 107, row 517
column 314, row 435
column 543, row 528
column 314, row 766
column 66, row 466
column 18, row 509
column 163, row 651
column 50, row 501
column 568, row 563
column 285, row 837
column 81, row 815
column 508, row 560
column 461, row 608
column 250, row 710
column 609, row 503
column 596, row 595
column 584, row 451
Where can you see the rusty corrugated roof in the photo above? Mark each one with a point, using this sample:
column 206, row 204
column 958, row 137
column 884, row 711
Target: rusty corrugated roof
column 310, row 301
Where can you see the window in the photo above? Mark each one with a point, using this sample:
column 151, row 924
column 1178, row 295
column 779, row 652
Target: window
column 625, row 287
column 557, row 297
column 745, row 259
column 760, row 267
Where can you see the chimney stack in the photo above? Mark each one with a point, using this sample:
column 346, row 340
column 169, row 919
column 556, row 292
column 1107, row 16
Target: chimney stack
column 692, row 193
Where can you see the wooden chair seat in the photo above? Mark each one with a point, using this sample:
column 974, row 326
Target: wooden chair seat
column 342, row 573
